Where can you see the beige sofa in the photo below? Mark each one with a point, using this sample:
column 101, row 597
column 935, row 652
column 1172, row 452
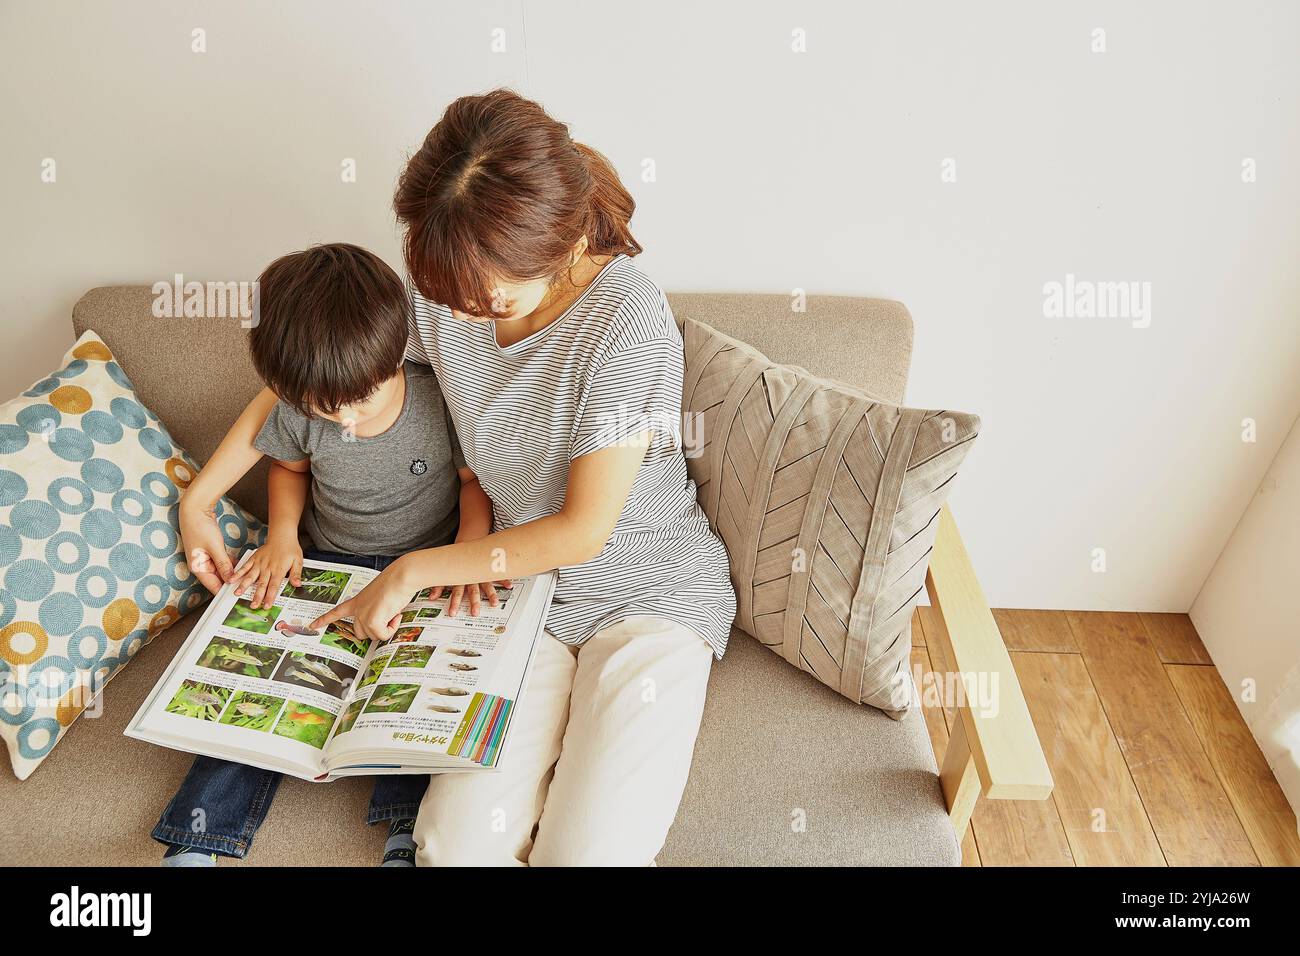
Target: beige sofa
column 785, row 771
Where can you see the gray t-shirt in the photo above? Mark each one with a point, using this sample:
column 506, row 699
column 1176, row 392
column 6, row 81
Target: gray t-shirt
column 385, row 495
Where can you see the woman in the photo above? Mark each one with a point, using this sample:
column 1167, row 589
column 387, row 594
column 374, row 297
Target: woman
column 562, row 368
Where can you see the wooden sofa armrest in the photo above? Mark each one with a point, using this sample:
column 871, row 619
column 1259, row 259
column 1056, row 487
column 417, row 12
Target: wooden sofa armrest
column 994, row 749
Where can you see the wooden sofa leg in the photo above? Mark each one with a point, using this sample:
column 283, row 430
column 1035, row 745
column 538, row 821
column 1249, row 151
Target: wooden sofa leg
column 959, row 780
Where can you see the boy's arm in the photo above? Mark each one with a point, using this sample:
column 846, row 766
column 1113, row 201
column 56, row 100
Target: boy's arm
column 205, row 548
column 475, row 522
column 281, row 556
column 475, row 508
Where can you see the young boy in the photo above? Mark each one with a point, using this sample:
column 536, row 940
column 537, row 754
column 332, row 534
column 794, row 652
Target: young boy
column 369, row 437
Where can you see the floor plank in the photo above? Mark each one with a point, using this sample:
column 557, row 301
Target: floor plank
column 1242, row 770
column 1175, row 639
column 1021, row 833
column 1015, row 832
column 938, row 661
column 1024, row 630
column 934, row 723
column 1187, row 806
column 1104, row 821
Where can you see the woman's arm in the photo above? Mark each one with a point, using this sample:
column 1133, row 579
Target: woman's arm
column 598, row 486
column 204, row 545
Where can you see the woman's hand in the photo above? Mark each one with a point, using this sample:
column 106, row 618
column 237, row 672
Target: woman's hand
column 205, row 547
column 376, row 610
column 278, row 559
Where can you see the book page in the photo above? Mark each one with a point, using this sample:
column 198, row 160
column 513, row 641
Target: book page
column 444, row 686
column 258, row 686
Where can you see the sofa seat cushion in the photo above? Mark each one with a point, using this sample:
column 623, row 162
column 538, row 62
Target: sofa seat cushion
column 788, row 773
column 95, row 799
column 865, row 784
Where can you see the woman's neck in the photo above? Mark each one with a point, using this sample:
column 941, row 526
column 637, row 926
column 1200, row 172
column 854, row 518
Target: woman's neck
column 553, row 306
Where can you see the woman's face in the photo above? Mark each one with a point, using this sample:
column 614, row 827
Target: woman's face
column 512, row 300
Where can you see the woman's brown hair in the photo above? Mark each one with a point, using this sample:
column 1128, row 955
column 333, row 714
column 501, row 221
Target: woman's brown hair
column 499, row 190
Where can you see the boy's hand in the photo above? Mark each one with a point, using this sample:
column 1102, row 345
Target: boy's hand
column 205, row 548
column 278, row 559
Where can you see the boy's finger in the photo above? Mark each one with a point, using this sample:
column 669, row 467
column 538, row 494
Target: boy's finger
column 222, row 560
column 208, row 579
column 262, row 583
column 491, row 593
column 242, row 578
column 281, row 577
column 295, row 572
column 453, row 602
column 473, row 600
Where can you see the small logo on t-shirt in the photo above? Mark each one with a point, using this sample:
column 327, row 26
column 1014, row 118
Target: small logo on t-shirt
column 418, row 467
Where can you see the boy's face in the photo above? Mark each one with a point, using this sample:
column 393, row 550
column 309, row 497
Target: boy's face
column 360, row 414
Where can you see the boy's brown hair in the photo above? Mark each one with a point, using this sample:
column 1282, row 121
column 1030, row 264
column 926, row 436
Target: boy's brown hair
column 332, row 327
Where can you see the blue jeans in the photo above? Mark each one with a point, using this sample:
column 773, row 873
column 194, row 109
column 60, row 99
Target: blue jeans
column 220, row 804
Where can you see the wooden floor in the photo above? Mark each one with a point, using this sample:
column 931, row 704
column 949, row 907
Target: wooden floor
column 1152, row 761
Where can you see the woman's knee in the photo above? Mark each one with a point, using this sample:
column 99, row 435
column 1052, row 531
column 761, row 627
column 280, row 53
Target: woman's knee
column 445, row 843
column 599, row 839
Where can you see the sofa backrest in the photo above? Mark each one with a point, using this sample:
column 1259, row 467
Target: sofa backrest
column 195, row 374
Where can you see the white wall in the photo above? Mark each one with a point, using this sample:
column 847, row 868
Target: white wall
column 775, row 170
column 1248, row 615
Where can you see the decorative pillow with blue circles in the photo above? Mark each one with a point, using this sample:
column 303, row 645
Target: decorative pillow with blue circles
column 91, row 564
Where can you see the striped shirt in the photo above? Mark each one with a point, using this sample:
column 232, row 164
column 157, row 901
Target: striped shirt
column 609, row 368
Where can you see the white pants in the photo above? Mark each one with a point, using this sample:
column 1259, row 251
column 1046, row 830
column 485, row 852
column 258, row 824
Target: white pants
column 597, row 761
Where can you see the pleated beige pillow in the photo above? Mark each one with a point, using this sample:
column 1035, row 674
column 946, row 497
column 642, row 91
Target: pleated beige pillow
column 828, row 501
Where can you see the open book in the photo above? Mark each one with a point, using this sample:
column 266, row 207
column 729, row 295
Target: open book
column 257, row 686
